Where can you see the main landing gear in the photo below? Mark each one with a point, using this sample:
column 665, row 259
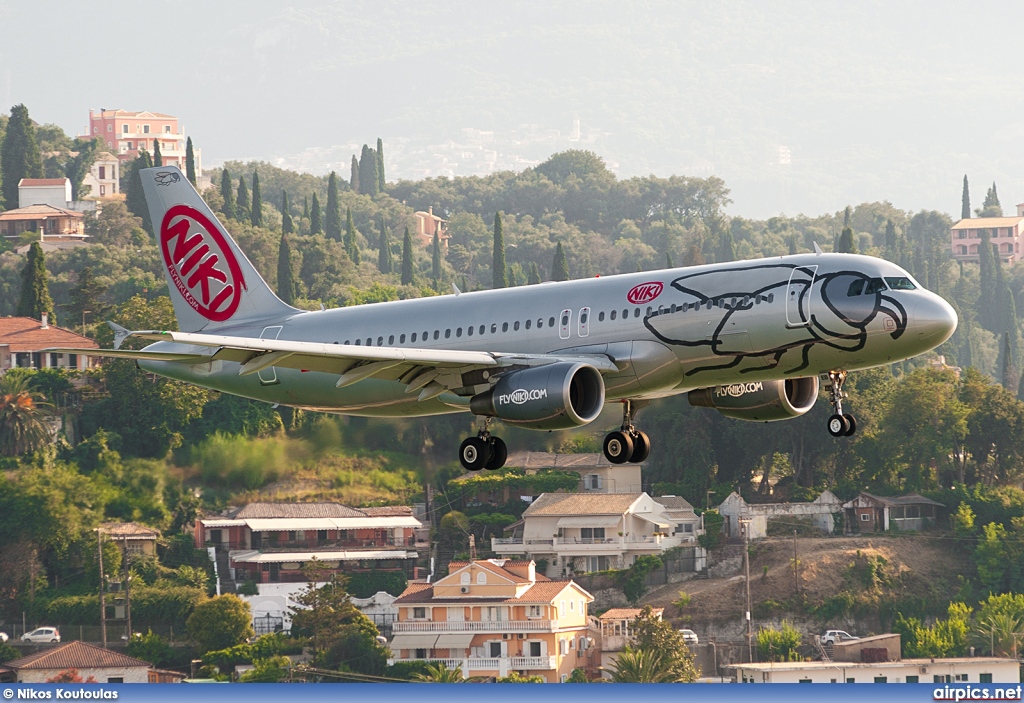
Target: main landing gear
column 628, row 443
column 483, row 451
column 839, row 423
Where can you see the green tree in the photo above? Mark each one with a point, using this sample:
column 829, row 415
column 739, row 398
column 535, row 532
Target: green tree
column 781, row 645
column 635, row 584
column 407, row 259
column 158, row 158
column 846, row 244
column 315, row 226
column 332, row 216
column 23, row 415
column 965, row 201
column 35, row 292
column 439, row 673
column 243, row 211
column 654, row 635
column 351, row 241
column 256, row 216
column 190, row 162
column 267, row 670
column 220, row 622
column 287, row 226
column 385, row 260
column 987, row 262
column 369, row 180
column 560, row 267
column 227, row 194
column 643, row 666
column 991, row 206
column 85, row 297
column 435, row 261
column 19, row 155
column 534, row 276
column 354, row 176
column 151, row 648
column 286, row 289
column 134, row 196
column 499, row 273
column 381, row 184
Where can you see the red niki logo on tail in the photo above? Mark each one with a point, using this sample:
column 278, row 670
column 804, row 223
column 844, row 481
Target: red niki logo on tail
column 201, row 264
column 644, row 293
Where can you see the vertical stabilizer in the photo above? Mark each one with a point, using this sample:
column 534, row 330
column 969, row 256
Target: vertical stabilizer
column 210, row 281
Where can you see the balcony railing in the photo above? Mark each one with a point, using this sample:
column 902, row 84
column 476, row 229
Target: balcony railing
column 509, row 544
column 474, row 626
column 499, row 664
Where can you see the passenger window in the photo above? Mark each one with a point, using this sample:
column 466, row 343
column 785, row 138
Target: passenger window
column 401, row 340
column 380, row 341
column 482, row 328
column 494, row 327
column 584, row 317
column 856, row 288
column 391, row 340
column 436, row 334
column 469, row 331
column 504, row 327
column 875, row 285
column 369, row 341
column 346, row 341
column 565, row 320
column 458, row 332
column 359, row 342
column 515, row 326
column 636, row 312
column 529, row 323
column 413, row 337
column 448, row 333
column 900, row 283
column 600, row 317
column 425, row 335
column 625, row 313
column 771, row 297
column 551, row 322
column 648, row 311
column 613, row 314
column 540, row 323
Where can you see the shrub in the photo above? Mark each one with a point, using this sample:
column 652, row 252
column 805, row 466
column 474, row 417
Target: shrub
column 780, row 645
column 150, row 648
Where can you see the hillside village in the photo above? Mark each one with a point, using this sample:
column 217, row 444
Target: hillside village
column 153, row 531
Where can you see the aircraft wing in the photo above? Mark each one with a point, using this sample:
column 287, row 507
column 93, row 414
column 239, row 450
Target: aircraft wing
column 431, row 371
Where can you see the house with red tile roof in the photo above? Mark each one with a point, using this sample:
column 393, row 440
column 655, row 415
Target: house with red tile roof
column 23, row 339
column 490, row 617
column 103, row 665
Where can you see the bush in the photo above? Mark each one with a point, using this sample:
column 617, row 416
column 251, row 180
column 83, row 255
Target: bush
column 636, row 576
column 150, row 648
column 780, row 645
column 366, row 583
column 221, row 622
column 713, row 536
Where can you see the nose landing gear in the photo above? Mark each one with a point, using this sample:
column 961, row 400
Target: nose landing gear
column 628, row 443
column 839, row 424
column 483, row 451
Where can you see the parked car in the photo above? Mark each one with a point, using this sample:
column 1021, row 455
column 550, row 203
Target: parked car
column 689, row 637
column 834, row 636
column 3, row 637
column 42, row 634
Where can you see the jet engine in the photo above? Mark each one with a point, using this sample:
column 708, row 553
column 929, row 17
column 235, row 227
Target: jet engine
column 552, row 397
column 759, row 401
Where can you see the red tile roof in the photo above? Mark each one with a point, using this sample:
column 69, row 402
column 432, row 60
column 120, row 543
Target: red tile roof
column 388, row 511
column 24, row 334
column 41, row 182
column 76, row 655
column 131, row 530
column 540, row 592
column 34, row 212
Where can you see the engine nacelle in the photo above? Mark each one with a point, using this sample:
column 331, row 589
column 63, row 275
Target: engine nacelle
column 760, row 401
column 552, row 397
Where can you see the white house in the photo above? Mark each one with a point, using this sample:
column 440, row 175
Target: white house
column 597, row 474
column 55, row 192
column 820, row 512
column 959, row 670
column 103, row 665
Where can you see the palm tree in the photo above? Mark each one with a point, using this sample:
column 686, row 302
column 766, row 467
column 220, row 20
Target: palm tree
column 22, row 412
column 440, row 673
column 643, row 666
column 998, row 632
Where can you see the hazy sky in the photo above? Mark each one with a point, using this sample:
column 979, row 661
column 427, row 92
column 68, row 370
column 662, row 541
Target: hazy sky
column 870, row 100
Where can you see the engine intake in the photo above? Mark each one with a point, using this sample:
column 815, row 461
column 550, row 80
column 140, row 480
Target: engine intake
column 552, row 397
column 760, row 401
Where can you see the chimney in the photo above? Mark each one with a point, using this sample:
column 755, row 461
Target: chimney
column 430, row 210
column 45, row 320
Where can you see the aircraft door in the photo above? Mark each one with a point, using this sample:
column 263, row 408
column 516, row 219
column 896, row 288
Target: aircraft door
column 798, row 296
column 268, row 376
column 584, row 322
column 564, row 324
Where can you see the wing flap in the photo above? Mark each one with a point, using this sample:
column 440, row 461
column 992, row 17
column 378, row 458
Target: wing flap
column 133, row 354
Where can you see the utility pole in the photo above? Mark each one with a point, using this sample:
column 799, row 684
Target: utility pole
column 796, row 572
column 127, row 591
column 745, row 523
column 103, row 590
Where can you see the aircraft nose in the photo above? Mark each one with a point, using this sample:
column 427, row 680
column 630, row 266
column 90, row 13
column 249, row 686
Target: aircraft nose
column 933, row 320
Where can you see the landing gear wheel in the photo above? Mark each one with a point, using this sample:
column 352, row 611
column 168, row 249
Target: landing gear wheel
column 641, row 448
column 852, row 422
column 474, row 453
column 499, row 453
column 838, row 426
column 618, row 447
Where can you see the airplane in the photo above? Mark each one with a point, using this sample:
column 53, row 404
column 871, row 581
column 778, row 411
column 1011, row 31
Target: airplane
column 751, row 339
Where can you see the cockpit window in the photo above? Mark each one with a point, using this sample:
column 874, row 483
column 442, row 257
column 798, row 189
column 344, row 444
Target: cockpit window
column 874, row 286
column 856, row 288
column 900, row 283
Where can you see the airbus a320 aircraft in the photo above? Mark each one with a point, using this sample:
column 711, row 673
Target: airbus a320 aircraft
column 748, row 338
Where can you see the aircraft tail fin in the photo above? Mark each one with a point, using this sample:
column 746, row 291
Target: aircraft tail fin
column 211, row 282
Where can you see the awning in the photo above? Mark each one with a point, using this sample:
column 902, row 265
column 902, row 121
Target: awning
column 222, row 523
column 331, row 523
column 419, row 641
column 589, row 521
column 653, row 521
column 254, row 557
column 459, row 640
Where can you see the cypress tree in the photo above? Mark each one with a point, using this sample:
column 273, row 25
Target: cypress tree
column 242, row 210
column 190, row 162
column 332, row 216
column 35, row 294
column 407, row 259
column 726, row 246
column 286, row 289
column 351, row 242
column 19, row 155
column 315, row 227
column 287, row 226
column 560, row 267
column 380, row 166
column 435, row 260
column 134, row 197
column 965, row 201
column 499, row 274
column 368, row 179
column 305, row 207
column 668, row 260
column 1006, row 365
column 385, row 262
column 534, row 276
column 792, row 245
column 354, row 177
column 256, row 217
column 158, row 159
column 228, row 194
column 987, row 282
column 890, row 240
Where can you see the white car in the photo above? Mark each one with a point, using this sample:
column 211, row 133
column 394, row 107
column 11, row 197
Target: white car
column 834, row 636
column 3, row 637
column 42, row 634
column 689, row 637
